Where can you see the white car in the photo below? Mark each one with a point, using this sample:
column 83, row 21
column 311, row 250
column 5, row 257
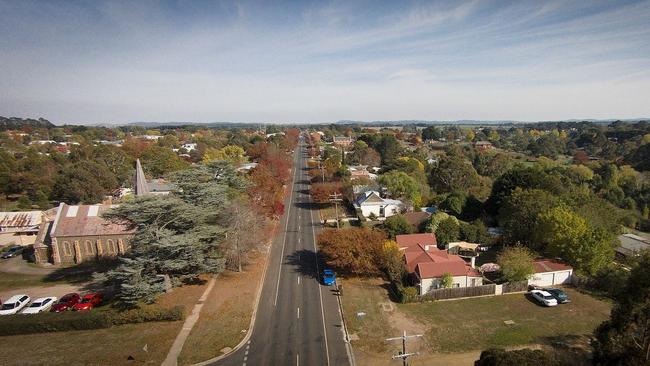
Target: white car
column 14, row 304
column 543, row 297
column 41, row 304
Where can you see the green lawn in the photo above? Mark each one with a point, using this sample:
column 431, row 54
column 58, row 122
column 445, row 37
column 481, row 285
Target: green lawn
column 473, row 324
column 10, row 281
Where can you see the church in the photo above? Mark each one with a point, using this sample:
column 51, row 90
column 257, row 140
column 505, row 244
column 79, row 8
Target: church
column 78, row 233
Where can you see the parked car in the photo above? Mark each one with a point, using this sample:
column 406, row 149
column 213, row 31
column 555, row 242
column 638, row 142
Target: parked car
column 40, row 305
column 12, row 252
column 88, row 302
column 14, row 304
column 543, row 297
column 66, row 303
column 559, row 295
column 329, row 277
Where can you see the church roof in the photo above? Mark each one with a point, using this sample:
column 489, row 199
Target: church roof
column 141, row 186
column 85, row 220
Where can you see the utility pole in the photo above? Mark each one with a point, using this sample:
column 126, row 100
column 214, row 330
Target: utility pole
column 335, row 197
column 403, row 355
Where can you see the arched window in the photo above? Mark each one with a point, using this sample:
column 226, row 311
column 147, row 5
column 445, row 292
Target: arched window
column 89, row 247
column 67, row 248
column 110, row 247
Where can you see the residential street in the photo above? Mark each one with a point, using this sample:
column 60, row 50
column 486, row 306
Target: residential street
column 298, row 319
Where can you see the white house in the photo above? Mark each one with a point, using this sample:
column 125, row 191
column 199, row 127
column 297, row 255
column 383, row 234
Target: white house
column 549, row 272
column 189, row 146
column 371, row 203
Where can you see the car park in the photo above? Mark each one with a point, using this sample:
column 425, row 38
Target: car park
column 543, row 297
column 559, row 295
column 12, row 252
column 329, row 277
column 40, row 305
column 14, row 304
column 88, row 302
column 66, row 303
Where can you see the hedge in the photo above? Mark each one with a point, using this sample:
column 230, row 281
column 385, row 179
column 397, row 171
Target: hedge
column 97, row 319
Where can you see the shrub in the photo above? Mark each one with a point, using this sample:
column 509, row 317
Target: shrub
column 409, row 294
column 96, row 319
column 522, row 357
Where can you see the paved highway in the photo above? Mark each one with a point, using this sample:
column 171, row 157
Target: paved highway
column 298, row 320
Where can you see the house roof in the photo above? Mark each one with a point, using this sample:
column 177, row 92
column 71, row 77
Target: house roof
column 464, row 245
column 10, row 221
column 424, row 258
column 85, row 220
column 416, row 218
column 550, row 265
column 632, row 244
column 412, row 240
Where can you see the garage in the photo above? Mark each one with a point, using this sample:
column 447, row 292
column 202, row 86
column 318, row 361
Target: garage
column 550, row 272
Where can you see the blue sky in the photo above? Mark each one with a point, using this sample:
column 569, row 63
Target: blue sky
column 320, row 61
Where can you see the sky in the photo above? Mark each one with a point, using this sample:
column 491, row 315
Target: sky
column 323, row 61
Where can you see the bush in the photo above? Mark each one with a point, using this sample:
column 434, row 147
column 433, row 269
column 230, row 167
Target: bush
column 407, row 294
column 522, row 357
column 96, row 319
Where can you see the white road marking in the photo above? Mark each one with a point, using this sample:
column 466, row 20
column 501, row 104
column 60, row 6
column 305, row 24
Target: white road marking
column 299, row 280
column 297, row 359
column 298, row 314
column 320, row 293
column 284, row 242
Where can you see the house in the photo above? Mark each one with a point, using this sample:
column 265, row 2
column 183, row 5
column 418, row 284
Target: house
column 631, row 245
column 361, row 171
column 371, row 204
column 342, row 140
column 427, row 264
column 78, row 234
column 415, row 219
column 550, row 272
column 19, row 228
column 483, row 145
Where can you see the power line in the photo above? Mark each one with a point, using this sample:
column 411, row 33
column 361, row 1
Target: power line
column 403, row 355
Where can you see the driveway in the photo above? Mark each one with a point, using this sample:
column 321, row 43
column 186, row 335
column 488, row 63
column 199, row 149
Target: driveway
column 21, row 266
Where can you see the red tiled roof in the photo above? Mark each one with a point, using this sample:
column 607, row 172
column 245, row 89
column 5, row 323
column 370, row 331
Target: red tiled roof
column 435, row 270
column 83, row 224
column 412, row 240
column 549, row 265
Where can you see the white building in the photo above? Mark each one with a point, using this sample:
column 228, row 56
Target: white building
column 371, row 203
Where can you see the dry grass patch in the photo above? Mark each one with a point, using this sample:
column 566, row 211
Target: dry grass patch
column 226, row 312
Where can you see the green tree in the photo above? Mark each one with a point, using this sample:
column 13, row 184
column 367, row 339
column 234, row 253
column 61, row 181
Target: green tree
column 85, row 181
column 397, row 225
column 230, row 153
column 516, row 263
column 453, row 173
column 567, row 235
column 158, row 161
column 518, row 215
column 447, row 280
column 448, row 231
column 625, row 338
column 431, row 133
column 401, row 185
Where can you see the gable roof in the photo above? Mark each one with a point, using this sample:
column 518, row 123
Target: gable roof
column 11, row 221
column 550, row 265
column 85, row 220
column 411, row 240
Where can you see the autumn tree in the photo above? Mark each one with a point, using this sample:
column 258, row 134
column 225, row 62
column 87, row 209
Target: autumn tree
column 321, row 192
column 516, row 263
column 353, row 250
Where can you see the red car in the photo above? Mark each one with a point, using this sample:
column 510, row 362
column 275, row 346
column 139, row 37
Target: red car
column 88, row 302
column 66, row 303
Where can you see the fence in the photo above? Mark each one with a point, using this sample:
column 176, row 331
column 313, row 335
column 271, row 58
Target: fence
column 514, row 287
column 458, row 292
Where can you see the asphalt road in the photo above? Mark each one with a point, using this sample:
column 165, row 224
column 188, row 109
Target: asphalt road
column 298, row 319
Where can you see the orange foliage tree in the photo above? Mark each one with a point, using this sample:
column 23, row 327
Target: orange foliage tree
column 355, row 250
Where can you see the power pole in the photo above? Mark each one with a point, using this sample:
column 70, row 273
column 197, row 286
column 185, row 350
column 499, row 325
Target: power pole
column 335, row 197
column 403, row 355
